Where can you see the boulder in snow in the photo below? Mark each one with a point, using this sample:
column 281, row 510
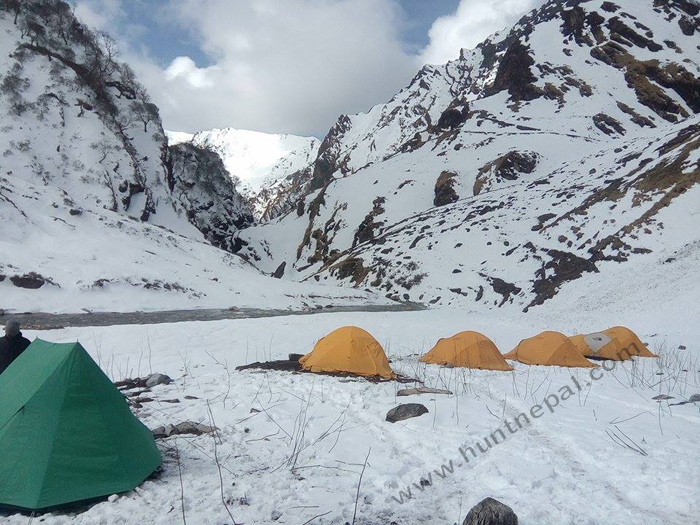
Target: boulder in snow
column 279, row 272
column 491, row 512
column 157, row 379
column 406, row 411
column 30, row 281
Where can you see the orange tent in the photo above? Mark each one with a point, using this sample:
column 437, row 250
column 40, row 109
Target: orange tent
column 549, row 348
column 629, row 342
column 467, row 349
column 349, row 350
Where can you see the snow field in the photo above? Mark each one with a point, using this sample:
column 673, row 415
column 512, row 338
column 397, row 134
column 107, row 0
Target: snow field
column 295, row 444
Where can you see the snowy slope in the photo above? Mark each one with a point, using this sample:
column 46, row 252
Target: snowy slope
column 550, row 151
column 291, row 446
column 57, row 261
column 260, row 161
column 96, row 211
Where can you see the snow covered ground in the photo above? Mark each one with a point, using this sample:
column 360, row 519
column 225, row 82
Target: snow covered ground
column 292, row 446
column 99, row 260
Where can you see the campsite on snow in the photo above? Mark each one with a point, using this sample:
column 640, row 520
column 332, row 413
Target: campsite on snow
column 476, row 303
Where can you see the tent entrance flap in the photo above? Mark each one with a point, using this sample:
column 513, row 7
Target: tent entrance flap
column 597, row 341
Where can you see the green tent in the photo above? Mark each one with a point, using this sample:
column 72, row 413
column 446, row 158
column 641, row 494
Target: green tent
column 66, row 432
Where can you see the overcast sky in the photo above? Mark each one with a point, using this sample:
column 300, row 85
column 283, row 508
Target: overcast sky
column 287, row 66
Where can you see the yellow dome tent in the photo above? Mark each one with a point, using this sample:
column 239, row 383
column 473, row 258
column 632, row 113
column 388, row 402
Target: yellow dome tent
column 349, row 350
column 469, row 350
column 549, row 348
column 629, row 341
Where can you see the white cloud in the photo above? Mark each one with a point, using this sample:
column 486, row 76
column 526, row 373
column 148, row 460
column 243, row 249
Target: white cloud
column 473, row 22
column 185, row 68
column 289, row 66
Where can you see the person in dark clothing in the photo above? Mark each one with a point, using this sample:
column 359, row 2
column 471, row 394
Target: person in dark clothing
column 12, row 345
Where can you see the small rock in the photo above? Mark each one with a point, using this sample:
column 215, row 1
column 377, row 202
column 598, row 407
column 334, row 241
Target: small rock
column 186, row 427
column 157, row 379
column 662, row 397
column 491, row 512
column 421, row 390
column 406, row 411
column 695, row 398
column 113, row 498
column 682, row 347
column 275, row 515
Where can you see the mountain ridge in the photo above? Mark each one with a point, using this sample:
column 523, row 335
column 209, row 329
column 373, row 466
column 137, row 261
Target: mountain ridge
column 517, row 113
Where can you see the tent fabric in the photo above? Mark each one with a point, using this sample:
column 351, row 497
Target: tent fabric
column 629, row 341
column 600, row 346
column 348, row 350
column 468, row 350
column 66, row 432
column 549, row 348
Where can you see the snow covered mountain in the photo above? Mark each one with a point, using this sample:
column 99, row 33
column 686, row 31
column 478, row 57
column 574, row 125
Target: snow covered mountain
column 557, row 153
column 262, row 162
column 96, row 210
column 564, row 147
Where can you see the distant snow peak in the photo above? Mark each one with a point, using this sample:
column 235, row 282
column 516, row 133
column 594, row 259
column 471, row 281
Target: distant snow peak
column 178, row 137
column 253, row 157
column 257, row 161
